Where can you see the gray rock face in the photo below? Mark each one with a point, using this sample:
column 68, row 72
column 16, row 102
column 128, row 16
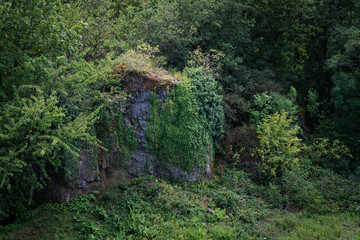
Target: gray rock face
column 143, row 161
column 136, row 115
column 94, row 168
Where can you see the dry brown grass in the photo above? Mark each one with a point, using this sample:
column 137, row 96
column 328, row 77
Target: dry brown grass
column 133, row 80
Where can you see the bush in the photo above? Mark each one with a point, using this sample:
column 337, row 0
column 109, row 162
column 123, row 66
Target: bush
column 278, row 144
column 98, row 36
column 208, row 97
column 144, row 58
column 302, row 192
column 266, row 104
column 330, row 154
column 314, row 189
column 222, row 233
column 33, row 34
column 37, row 139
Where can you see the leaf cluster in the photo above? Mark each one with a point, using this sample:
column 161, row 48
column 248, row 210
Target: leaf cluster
column 36, row 134
column 279, row 145
column 176, row 131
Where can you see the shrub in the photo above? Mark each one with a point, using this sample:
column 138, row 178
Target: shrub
column 85, row 226
column 37, row 140
column 98, row 37
column 266, row 104
column 209, row 62
column 222, row 233
column 144, row 58
column 278, row 144
column 209, row 100
column 314, row 189
column 275, row 196
column 330, row 154
column 33, row 34
column 302, row 192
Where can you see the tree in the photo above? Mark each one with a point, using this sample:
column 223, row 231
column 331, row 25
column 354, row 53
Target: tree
column 344, row 116
column 268, row 103
column 32, row 33
column 278, row 144
column 98, row 34
column 37, row 140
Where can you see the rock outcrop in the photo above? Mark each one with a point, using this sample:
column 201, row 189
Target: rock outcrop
column 95, row 168
column 139, row 87
column 143, row 161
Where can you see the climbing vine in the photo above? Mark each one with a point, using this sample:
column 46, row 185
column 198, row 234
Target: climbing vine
column 176, row 131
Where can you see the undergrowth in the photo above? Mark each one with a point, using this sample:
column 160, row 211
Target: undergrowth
column 229, row 206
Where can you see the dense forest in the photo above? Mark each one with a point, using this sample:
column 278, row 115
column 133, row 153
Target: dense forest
column 270, row 88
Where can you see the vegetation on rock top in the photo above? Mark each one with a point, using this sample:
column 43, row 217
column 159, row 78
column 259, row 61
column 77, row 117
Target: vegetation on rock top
column 268, row 91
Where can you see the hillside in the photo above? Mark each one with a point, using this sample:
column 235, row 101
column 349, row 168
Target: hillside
column 179, row 119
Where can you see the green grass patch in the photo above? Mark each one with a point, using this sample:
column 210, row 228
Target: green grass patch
column 293, row 226
column 229, row 206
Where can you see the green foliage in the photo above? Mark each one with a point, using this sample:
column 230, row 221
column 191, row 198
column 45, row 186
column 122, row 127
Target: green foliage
column 144, row 58
column 347, row 58
column 32, row 34
column 275, row 197
column 98, row 35
column 135, row 223
column 84, row 86
column 303, row 193
column 210, row 62
column 314, row 189
column 222, row 232
column 209, row 100
column 345, row 93
column 177, row 133
column 86, row 227
column 218, row 215
column 278, row 144
column 35, row 135
column 265, row 104
column 313, row 106
column 343, row 123
column 122, row 5
column 44, row 126
column 343, row 62
column 283, row 36
column 302, row 226
column 151, row 208
column 155, row 23
column 330, row 154
column 252, row 48
column 81, row 204
column 179, row 27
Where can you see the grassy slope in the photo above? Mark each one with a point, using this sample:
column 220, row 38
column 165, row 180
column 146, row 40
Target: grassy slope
column 150, row 208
